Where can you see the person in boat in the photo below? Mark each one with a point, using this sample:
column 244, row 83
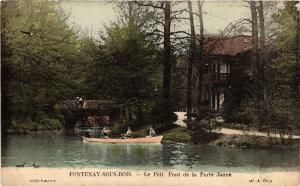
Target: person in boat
column 81, row 102
column 88, row 133
column 127, row 134
column 105, row 132
column 152, row 132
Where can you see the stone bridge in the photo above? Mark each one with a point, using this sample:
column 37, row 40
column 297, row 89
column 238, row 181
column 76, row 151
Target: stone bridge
column 83, row 110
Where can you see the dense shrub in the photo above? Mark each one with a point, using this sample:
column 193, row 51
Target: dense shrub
column 177, row 135
column 163, row 113
column 26, row 125
column 202, row 131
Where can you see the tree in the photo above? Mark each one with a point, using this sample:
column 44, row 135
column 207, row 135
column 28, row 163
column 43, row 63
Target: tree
column 200, row 51
column 282, row 72
column 190, row 66
column 167, row 52
column 261, row 70
column 165, row 7
column 6, row 54
column 126, row 68
column 256, row 62
column 297, row 53
column 131, row 12
column 39, row 59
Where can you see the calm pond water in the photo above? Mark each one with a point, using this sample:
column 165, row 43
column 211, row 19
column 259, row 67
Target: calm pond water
column 60, row 150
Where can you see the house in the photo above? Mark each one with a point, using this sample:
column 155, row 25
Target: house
column 222, row 57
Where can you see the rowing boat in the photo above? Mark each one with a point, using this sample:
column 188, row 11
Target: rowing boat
column 156, row 139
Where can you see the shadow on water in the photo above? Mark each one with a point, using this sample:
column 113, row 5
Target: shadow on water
column 3, row 143
column 60, row 150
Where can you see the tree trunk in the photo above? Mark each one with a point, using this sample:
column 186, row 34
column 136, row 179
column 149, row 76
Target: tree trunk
column 190, row 67
column 140, row 115
column 297, row 54
column 200, row 63
column 262, row 48
column 6, row 54
column 130, row 14
column 261, row 75
column 167, row 53
column 255, row 60
column 129, row 113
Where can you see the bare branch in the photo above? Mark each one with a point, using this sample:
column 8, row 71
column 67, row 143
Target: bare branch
column 180, row 32
column 150, row 4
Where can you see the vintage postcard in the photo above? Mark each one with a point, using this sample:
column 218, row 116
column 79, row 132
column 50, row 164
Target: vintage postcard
column 150, row 93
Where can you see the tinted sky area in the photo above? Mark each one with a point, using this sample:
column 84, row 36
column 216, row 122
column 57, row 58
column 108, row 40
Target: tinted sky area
column 90, row 16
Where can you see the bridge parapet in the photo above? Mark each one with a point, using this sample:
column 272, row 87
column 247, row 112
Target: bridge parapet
column 81, row 110
column 75, row 105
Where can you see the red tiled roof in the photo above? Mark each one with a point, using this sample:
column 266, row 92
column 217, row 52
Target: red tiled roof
column 227, row 46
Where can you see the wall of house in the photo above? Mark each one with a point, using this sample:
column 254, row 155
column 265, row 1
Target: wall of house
column 216, row 94
column 221, row 67
column 225, row 67
column 217, row 99
column 221, row 99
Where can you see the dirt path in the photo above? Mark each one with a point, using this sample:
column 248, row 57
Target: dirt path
column 181, row 116
column 228, row 131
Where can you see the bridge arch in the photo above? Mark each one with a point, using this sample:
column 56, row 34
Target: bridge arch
column 79, row 110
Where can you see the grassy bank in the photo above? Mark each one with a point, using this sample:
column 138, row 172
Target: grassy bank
column 177, row 135
column 248, row 141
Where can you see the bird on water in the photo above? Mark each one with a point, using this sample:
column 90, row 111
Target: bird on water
column 21, row 165
column 35, row 166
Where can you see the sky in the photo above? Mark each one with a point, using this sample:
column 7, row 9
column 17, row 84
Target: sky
column 90, row 16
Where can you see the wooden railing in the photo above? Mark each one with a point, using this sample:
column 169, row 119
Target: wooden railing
column 88, row 104
column 215, row 78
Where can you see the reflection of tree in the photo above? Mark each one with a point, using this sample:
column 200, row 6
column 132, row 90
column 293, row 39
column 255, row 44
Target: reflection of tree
column 166, row 154
column 60, row 150
column 130, row 154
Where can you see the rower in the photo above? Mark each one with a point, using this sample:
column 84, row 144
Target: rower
column 128, row 133
column 152, row 132
column 88, row 133
column 105, row 132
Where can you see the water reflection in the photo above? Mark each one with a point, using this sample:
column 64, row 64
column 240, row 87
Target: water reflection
column 58, row 150
column 123, row 155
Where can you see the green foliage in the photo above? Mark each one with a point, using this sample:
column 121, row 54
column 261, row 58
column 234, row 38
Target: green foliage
column 46, row 61
column 27, row 125
column 162, row 113
column 178, row 85
column 280, row 78
column 286, row 18
column 177, row 135
column 282, row 68
column 239, row 95
column 48, row 123
column 198, row 132
column 241, row 141
column 128, row 71
column 207, row 124
column 281, row 74
column 248, row 141
column 21, row 126
column 126, row 66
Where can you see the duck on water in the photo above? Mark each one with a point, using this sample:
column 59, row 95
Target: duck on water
column 23, row 165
